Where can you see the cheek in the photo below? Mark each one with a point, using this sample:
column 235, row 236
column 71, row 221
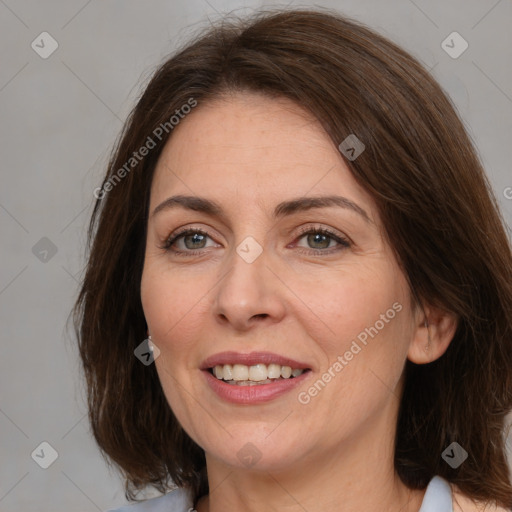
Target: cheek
column 170, row 302
column 369, row 328
column 174, row 386
column 346, row 305
column 171, row 307
column 364, row 354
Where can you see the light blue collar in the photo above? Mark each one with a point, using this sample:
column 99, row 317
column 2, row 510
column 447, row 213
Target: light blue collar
column 438, row 497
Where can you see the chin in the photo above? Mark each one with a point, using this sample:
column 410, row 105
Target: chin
column 257, row 452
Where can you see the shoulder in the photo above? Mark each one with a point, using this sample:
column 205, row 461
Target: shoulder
column 462, row 503
column 178, row 500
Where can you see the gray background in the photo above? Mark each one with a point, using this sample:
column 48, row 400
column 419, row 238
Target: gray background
column 60, row 117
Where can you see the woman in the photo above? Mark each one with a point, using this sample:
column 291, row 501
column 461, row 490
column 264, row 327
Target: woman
column 296, row 217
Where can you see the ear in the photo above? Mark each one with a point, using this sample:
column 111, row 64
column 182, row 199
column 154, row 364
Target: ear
column 434, row 332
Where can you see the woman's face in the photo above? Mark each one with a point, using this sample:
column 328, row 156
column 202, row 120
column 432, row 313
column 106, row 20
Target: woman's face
column 265, row 279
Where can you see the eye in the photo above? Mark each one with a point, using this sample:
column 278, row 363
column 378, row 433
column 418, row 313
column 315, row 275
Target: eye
column 191, row 240
column 320, row 239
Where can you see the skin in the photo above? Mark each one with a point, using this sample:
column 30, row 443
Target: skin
column 248, row 153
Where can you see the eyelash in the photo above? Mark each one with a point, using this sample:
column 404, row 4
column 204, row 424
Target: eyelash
column 343, row 242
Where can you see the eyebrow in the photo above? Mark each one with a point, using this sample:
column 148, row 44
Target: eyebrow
column 209, row 207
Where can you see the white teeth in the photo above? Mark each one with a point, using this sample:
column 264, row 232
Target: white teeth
column 274, row 371
column 227, row 372
column 258, row 373
column 286, row 372
column 240, row 372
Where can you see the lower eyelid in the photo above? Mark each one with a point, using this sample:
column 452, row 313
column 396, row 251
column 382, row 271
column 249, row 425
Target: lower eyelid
column 339, row 246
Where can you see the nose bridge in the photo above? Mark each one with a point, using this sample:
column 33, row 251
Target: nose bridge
column 248, row 289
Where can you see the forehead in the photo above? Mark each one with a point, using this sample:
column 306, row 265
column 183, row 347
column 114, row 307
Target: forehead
column 259, row 149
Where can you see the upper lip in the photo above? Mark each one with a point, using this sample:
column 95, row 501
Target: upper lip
column 250, row 359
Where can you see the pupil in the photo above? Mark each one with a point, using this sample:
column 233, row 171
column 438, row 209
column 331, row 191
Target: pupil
column 312, row 239
column 196, row 237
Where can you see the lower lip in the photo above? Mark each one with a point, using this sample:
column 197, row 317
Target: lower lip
column 252, row 394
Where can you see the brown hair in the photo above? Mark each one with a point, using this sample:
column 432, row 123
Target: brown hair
column 436, row 205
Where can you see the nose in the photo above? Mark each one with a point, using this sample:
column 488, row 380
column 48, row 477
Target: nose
column 248, row 294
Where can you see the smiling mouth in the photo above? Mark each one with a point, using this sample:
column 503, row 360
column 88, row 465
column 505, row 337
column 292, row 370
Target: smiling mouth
column 255, row 375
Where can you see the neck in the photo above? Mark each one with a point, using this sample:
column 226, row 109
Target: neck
column 357, row 475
